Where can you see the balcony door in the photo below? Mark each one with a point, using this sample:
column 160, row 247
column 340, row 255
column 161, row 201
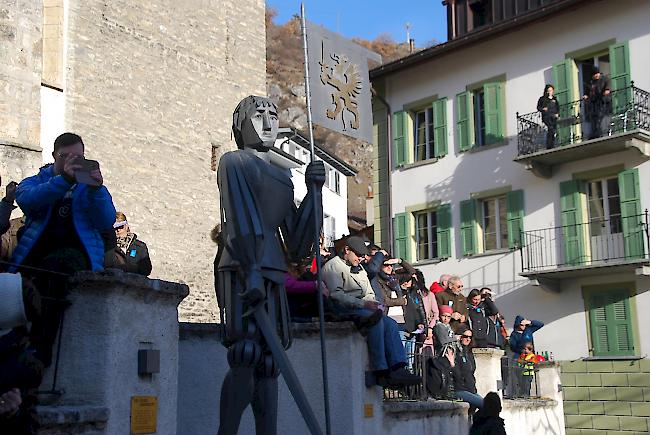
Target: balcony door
column 605, row 228
column 586, row 68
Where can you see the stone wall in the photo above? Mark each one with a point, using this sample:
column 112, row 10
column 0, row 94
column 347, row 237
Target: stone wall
column 151, row 88
column 610, row 397
column 20, row 81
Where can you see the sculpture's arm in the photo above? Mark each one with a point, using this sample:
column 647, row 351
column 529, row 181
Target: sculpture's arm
column 302, row 226
column 242, row 222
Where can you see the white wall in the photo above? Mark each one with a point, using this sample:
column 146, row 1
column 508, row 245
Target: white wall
column 52, row 109
column 525, row 57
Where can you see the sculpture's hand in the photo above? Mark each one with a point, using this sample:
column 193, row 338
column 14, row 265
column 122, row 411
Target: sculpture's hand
column 315, row 174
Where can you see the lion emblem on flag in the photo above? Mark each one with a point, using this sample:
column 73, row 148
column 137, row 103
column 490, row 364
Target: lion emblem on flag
column 344, row 77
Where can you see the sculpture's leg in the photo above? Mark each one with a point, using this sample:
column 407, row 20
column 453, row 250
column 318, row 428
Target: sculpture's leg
column 238, row 387
column 265, row 398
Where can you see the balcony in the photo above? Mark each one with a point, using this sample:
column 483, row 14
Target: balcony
column 628, row 128
column 601, row 246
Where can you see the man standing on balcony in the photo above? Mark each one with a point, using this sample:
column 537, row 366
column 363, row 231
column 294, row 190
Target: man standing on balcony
column 598, row 104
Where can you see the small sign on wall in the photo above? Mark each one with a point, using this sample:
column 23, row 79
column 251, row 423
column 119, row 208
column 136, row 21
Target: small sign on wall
column 144, row 414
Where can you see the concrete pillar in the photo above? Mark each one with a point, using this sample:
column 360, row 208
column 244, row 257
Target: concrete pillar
column 488, row 370
column 548, row 380
column 114, row 315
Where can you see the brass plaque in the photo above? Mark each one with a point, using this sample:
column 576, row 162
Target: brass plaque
column 144, row 414
column 368, row 410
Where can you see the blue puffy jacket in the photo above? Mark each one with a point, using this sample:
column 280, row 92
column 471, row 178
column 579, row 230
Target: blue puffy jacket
column 519, row 339
column 92, row 211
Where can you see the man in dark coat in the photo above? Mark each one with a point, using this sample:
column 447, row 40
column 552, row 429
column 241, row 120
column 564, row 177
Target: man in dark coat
column 130, row 254
column 453, row 298
column 598, row 104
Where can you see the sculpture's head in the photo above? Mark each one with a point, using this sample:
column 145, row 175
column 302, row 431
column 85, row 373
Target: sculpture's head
column 255, row 123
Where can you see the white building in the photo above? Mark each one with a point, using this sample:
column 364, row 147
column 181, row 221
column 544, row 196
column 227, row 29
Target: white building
column 292, row 152
column 463, row 178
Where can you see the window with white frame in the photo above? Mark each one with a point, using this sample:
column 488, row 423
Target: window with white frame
column 329, row 230
column 426, row 230
column 423, row 141
column 494, row 223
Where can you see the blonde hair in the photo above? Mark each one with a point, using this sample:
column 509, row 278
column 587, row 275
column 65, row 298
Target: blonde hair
column 119, row 216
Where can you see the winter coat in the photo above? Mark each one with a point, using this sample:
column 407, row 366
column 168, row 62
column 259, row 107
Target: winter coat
column 92, row 212
column 519, row 339
column 466, row 366
column 479, row 322
column 384, row 286
column 550, row 104
column 5, row 214
column 135, row 260
column 457, row 302
column 436, row 288
column 414, row 314
column 487, row 425
column 443, row 335
column 346, row 288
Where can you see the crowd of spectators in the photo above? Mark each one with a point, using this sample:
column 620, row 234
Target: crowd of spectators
column 403, row 318
column 69, row 224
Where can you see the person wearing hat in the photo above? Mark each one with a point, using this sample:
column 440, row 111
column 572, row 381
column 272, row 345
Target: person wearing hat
column 351, row 294
column 444, row 335
column 522, row 333
column 131, row 254
column 598, row 104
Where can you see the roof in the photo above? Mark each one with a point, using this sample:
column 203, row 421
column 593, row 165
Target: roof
column 330, row 159
column 476, row 37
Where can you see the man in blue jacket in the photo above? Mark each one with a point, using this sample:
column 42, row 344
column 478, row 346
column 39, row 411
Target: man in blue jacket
column 64, row 219
column 522, row 333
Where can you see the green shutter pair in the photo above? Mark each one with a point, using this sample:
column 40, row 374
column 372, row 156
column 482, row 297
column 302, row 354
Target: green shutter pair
column 469, row 222
column 610, row 322
column 575, row 228
column 403, row 229
column 494, row 112
column 402, row 142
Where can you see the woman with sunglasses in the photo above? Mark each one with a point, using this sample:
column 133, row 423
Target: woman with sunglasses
column 465, row 382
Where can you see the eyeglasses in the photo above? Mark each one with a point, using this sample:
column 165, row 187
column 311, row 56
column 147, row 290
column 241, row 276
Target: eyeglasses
column 466, row 336
column 445, row 315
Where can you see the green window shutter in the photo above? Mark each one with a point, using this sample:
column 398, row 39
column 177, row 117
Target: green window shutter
column 619, row 57
column 574, row 227
column 494, row 112
column 468, row 226
column 611, row 323
column 464, row 121
column 443, row 219
column 515, row 206
column 564, row 81
column 400, row 139
column 403, row 236
column 631, row 219
column 440, row 127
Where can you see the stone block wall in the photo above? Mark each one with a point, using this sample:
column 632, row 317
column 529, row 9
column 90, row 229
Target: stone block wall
column 20, row 81
column 606, row 397
column 151, row 88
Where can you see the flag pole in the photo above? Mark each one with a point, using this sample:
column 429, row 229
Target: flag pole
column 317, row 216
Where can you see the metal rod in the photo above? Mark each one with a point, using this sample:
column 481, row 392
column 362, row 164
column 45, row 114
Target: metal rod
column 317, row 201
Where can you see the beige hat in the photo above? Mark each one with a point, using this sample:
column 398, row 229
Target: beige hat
column 12, row 308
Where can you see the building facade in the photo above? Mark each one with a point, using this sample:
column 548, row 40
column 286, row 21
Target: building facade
column 151, row 88
column 465, row 184
column 292, row 152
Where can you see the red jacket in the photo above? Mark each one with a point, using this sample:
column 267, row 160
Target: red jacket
column 436, row 288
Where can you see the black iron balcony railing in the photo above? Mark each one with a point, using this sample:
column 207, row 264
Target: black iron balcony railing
column 625, row 110
column 600, row 242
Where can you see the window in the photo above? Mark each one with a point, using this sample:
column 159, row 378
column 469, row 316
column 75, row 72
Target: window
column 426, row 230
column 420, row 134
column 332, row 179
column 610, row 321
column 481, row 13
column 480, row 116
column 423, row 234
column 604, row 207
column 329, row 230
column 424, row 144
column 337, row 182
column 494, row 223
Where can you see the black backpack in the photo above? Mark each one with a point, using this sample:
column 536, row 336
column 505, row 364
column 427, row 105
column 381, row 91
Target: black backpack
column 438, row 378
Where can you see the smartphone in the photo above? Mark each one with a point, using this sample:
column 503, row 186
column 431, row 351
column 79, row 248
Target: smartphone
column 83, row 175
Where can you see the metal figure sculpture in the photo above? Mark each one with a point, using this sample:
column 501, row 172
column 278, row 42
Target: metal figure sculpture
column 261, row 227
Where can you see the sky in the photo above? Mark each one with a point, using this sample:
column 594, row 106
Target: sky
column 369, row 18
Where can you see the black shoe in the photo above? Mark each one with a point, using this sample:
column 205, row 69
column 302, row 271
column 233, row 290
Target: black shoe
column 402, row 377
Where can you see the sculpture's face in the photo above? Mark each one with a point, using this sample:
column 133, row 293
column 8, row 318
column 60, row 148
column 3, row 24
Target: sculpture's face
column 260, row 128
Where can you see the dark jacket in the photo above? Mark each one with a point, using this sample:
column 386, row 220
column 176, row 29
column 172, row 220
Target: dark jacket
column 414, row 314
column 550, row 104
column 5, row 214
column 465, row 368
column 518, row 340
column 457, row 302
column 487, row 425
column 135, row 260
column 598, row 102
column 384, row 285
column 479, row 322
